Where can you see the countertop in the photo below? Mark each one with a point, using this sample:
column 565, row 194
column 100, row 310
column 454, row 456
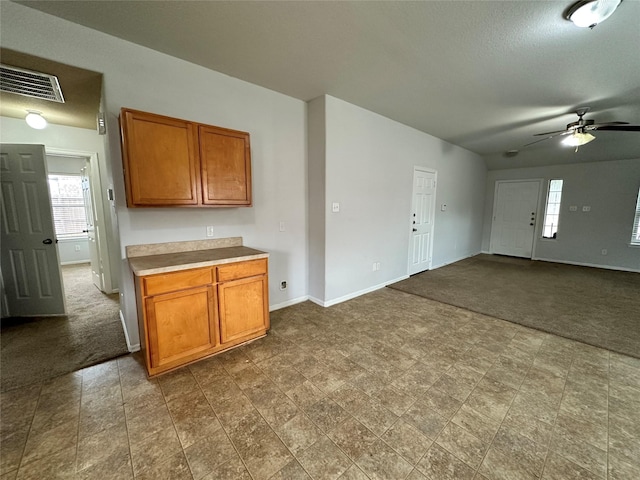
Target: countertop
column 173, row 262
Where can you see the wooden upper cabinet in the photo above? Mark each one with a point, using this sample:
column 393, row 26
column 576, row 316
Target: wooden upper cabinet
column 225, row 157
column 171, row 162
column 160, row 160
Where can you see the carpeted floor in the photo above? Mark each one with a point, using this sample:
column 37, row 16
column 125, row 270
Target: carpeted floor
column 35, row 349
column 595, row 306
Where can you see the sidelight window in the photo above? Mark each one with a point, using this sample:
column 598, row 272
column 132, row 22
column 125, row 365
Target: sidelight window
column 552, row 210
column 67, row 205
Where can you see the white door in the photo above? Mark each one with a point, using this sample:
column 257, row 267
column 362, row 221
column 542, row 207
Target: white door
column 92, row 229
column 422, row 215
column 514, row 217
column 29, row 259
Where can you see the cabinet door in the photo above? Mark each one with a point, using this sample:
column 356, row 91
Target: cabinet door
column 181, row 325
column 160, row 160
column 225, row 157
column 244, row 307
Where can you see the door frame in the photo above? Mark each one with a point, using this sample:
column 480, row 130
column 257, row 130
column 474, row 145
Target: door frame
column 534, row 243
column 418, row 168
column 104, row 227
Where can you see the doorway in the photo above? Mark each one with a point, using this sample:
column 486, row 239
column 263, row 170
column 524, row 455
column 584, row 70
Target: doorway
column 422, row 220
column 81, row 225
column 515, row 211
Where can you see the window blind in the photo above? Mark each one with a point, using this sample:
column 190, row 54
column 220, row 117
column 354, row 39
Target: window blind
column 67, row 205
column 635, row 232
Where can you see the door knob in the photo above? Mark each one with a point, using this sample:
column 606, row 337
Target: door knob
column 47, row 241
column 531, row 224
column 415, row 229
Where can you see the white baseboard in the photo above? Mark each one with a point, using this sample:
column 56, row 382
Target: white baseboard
column 349, row 296
column 582, row 264
column 288, row 303
column 75, row 262
column 433, row 267
column 131, row 348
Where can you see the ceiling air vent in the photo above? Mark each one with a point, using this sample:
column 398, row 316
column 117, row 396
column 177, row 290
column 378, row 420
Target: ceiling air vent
column 30, row 84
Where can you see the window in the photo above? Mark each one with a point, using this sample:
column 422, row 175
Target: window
column 67, row 204
column 635, row 231
column 552, row 210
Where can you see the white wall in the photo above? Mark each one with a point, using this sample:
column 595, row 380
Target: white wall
column 609, row 188
column 369, row 171
column 140, row 78
column 73, row 250
column 316, row 141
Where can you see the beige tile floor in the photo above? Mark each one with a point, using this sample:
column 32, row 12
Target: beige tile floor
column 386, row 386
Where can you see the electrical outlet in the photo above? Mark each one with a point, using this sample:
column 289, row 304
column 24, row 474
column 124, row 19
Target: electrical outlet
column 586, row 208
column 373, row 268
column 77, row 248
column 377, row 266
column 604, row 251
column 282, row 226
column 210, row 231
column 335, row 207
column 283, row 285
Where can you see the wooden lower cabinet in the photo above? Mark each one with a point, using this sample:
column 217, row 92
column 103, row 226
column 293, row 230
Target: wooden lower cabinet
column 242, row 306
column 181, row 326
column 181, row 322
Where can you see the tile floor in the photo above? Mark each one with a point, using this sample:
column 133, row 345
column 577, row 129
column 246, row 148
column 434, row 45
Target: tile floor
column 385, row 386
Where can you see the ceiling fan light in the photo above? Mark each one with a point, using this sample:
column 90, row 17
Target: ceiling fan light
column 589, row 13
column 577, row 139
column 35, row 120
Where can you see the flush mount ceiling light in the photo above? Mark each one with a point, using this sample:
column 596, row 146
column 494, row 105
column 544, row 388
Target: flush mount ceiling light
column 35, row 120
column 589, row 13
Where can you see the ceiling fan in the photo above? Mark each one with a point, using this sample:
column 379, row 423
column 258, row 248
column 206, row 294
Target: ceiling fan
column 578, row 132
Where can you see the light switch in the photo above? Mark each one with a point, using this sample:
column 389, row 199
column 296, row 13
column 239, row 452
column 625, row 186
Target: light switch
column 443, row 207
column 210, row 231
column 335, row 207
column 282, row 226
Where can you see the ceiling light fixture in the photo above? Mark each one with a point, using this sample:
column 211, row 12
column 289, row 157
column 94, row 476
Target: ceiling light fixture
column 35, row 120
column 589, row 13
column 577, row 139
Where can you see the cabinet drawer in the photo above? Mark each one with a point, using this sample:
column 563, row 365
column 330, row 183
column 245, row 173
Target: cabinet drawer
column 234, row 271
column 171, row 282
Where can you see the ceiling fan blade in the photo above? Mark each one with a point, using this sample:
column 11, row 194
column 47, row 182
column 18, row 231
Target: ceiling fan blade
column 550, row 133
column 618, row 128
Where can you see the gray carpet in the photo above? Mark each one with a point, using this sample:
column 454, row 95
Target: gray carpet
column 594, row 306
column 35, row 349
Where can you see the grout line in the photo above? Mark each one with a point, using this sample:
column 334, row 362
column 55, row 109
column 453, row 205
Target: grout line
column 126, row 422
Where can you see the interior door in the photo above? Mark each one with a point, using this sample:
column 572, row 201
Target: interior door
column 29, row 260
column 514, row 217
column 422, row 215
column 92, row 229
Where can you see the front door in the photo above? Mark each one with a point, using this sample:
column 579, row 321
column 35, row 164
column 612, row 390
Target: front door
column 29, row 259
column 514, row 217
column 90, row 212
column 422, row 214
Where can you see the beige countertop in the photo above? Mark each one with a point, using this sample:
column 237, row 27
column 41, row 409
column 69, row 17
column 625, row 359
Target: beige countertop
column 172, row 262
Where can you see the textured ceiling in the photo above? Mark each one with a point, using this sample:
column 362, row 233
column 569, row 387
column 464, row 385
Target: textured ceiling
column 81, row 90
column 485, row 75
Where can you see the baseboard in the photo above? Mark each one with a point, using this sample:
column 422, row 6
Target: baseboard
column 582, row 264
column 75, row 262
column 433, row 267
column 344, row 298
column 288, row 303
column 131, row 348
